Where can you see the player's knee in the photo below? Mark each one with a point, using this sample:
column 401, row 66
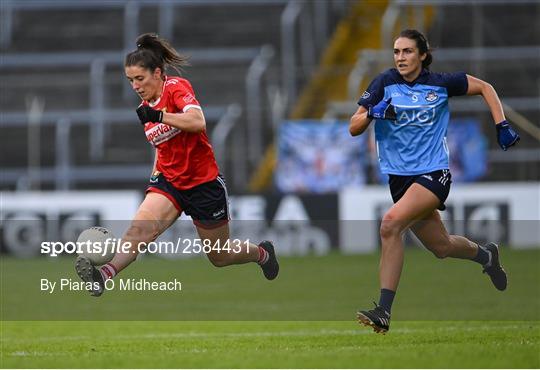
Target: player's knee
column 145, row 228
column 142, row 231
column 387, row 231
column 389, row 227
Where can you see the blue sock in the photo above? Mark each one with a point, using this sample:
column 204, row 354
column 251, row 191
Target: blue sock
column 483, row 256
column 386, row 299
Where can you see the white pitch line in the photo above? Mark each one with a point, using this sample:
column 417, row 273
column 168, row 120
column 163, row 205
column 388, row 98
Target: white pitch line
column 38, row 354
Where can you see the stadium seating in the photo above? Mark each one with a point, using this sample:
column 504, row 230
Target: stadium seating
column 223, row 49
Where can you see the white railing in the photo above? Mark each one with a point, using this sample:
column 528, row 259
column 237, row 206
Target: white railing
column 254, row 110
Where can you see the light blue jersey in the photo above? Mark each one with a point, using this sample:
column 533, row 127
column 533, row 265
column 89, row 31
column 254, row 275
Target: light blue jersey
column 416, row 142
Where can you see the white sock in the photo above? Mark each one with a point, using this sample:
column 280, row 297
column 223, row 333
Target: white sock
column 108, row 271
column 263, row 256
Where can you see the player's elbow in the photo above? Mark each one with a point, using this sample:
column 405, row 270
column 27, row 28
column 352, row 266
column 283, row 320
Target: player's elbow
column 487, row 88
column 353, row 130
column 197, row 122
column 194, row 125
column 199, row 126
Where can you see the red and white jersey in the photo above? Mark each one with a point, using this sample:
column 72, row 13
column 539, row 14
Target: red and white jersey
column 186, row 159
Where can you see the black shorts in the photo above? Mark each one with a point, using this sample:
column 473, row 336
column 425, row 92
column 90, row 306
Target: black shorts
column 438, row 182
column 207, row 204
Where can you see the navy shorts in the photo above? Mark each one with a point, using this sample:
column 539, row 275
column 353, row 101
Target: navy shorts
column 438, row 182
column 207, row 204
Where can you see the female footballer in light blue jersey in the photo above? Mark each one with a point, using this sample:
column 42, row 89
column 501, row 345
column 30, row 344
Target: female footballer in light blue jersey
column 410, row 106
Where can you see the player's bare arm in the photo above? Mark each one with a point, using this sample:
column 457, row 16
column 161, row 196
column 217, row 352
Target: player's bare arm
column 190, row 121
column 480, row 87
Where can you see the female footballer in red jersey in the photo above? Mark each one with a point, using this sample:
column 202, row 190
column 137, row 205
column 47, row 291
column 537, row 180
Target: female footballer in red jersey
column 185, row 176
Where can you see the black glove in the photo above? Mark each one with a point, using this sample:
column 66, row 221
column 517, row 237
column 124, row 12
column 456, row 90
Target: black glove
column 383, row 110
column 147, row 114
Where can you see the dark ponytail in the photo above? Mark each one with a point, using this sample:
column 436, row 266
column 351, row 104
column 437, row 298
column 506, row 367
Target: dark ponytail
column 421, row 43
column 154, row 52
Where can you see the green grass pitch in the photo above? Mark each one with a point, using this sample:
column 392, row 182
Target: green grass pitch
column 446, row 315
